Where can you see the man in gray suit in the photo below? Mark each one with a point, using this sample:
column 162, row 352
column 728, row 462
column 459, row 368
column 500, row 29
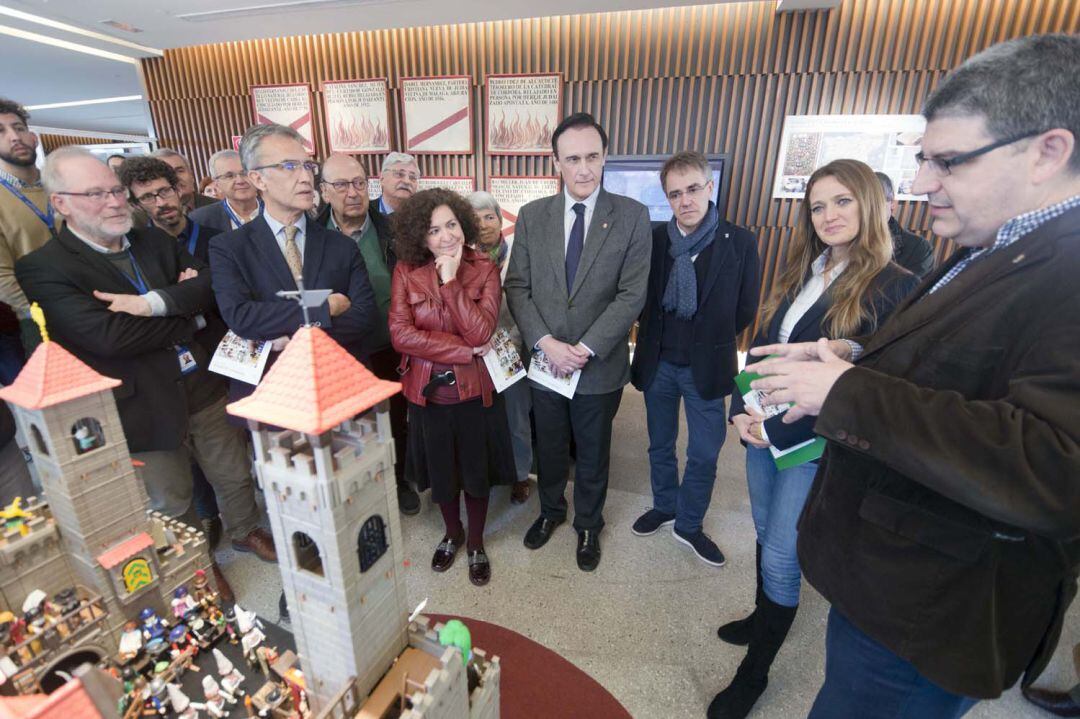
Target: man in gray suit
column 578, row 274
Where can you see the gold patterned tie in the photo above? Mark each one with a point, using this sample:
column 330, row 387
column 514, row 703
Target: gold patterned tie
column 292, row 252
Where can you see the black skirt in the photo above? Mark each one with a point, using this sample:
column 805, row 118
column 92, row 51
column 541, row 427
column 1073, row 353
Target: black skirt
column 464, row 446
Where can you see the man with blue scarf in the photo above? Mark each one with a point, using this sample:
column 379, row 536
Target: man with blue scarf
column 703, row 291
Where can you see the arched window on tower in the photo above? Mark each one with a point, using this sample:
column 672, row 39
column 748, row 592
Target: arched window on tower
column 307, row 554
column 371, row 543
column 39, row 441
column 87, row 435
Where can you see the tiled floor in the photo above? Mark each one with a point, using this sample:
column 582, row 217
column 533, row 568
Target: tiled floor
column 644, row 623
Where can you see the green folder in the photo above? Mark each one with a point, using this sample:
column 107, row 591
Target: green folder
column 793, row 456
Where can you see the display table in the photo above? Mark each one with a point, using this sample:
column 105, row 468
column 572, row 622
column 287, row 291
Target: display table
column 537, row 682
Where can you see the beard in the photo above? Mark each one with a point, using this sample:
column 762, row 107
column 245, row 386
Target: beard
column 19, row 161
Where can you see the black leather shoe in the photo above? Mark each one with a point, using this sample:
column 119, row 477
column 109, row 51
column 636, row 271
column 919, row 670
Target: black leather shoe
column 588, row 550
column 1057, row 703
column 445, row 553
column 407, row 499
column 540, row 532
column 479, row 568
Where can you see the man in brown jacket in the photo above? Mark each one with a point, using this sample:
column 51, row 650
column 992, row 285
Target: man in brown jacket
column 944, row 523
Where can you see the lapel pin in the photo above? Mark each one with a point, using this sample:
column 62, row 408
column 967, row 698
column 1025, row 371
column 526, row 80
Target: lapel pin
column 1018, row 259
column 603, row 226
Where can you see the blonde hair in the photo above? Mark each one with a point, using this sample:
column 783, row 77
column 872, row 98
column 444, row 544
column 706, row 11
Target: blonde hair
column 871, row 251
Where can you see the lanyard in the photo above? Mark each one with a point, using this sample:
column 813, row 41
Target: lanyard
column 234, row 217
column 193, row 239
column 137, row 281
column 47, row 218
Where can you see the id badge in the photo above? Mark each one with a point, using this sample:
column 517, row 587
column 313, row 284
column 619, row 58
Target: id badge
column 187, row 360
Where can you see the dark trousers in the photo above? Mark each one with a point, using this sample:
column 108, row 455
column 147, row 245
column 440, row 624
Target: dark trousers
column 588, row 418
column 865, row 679
column 384, row 364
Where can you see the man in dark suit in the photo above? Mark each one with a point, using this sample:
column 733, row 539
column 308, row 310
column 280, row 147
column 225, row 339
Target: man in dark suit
column 239, row 202
column 576, row 283
column 944, row 523
column 910, row 251
column 251, row 264
column 703, row 291
column 131, row 304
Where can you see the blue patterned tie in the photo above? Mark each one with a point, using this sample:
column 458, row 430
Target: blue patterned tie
column 575, row 245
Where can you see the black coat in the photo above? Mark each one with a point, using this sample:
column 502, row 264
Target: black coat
column 139, row 351
column 727, row 302
column 945, row 520
column 887, row 290
column 911, row 251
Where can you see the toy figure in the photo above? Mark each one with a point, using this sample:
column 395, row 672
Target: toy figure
column 182, row 705
column 250, row 629
column 155, row 695
column 34, row 600
column 182, row 603
column 201, row 590
column 266, row 656
column 181, row 641
column 85, row 439
column 231, row 679
column 203, row 631
column 131, row 642
column 215, row 698
column 153, row 625
column 230, row 625
column 15, row 517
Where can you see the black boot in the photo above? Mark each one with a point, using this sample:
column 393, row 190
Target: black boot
column 738, row 632
column 771, row 624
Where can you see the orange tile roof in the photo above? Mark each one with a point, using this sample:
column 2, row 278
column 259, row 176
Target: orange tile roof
column 314, row 386
column 127, row 548
column 53, row 375
column 70, row 701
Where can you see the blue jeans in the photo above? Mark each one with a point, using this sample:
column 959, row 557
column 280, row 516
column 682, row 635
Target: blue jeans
column 776, row 501
column 707, row 424
column 864, row 679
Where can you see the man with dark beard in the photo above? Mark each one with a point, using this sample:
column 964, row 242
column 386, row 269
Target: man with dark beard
column 26, row 223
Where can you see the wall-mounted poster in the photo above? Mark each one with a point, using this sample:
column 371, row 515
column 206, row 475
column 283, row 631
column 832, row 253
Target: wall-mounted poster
column 374, row 187
column 461, row 185
column 288, row 105
column 512, row 192
column 357, row 116
column 887, row 143
column 522, row 113
column 437, row 114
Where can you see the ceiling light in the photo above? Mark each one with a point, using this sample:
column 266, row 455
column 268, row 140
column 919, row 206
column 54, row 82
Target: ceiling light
column 67, row 45
column 121, row 26
column 28, row 17
column 272, row 8
column 79, row 103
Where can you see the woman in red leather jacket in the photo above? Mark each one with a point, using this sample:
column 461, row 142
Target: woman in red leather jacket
column 444, row 305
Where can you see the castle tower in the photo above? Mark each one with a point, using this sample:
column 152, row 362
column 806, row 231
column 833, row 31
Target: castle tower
column 67, row 413
column 328, row 477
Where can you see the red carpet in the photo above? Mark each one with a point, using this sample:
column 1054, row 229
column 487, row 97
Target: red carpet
column 536, row 682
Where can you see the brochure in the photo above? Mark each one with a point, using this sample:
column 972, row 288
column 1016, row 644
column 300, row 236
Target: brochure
column 802, row 453
column 241, row 359
column 503, row 361
column 544, row 374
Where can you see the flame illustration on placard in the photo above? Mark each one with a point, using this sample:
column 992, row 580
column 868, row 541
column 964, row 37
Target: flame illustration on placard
column 518, row 135
column 348, row 133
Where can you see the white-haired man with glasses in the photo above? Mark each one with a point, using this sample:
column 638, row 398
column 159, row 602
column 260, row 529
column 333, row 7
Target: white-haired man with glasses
column 400, row 180
column 251, row 264
column 944, row 522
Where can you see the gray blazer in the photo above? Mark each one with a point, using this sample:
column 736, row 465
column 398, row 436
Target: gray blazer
column 609, row 288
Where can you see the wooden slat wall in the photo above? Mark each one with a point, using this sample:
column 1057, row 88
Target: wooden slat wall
column 51, row 142
column 718, row 78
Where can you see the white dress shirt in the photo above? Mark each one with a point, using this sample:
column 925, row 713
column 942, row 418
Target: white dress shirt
column 569, row 215
column 279, row 232
column 813, row 289
column 239, row 215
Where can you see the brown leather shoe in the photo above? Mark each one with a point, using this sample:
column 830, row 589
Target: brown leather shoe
column 519, row 494
column 444, row 555
column 224, row 591
column 1057, row 703
column 258, row 541
column 479, row 568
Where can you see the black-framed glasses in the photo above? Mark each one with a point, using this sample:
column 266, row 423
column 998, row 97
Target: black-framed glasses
column 150, row 198
column 292, row 166
column 100, row 196
column 692, row 192
column 228, row 176
column 942, row 166
column 359, row 184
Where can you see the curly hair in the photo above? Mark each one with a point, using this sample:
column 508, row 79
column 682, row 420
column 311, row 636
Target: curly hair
column 146, row 169
column 412, row 221
column 10, row 107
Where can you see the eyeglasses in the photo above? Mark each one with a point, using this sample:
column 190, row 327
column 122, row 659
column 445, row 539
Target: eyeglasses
column 402, row 174
column 942, row 166
column 100, row 196
column 693, row 191
column 229, row 176
column 359, row 184
column 151, row 198
column 292, row 166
